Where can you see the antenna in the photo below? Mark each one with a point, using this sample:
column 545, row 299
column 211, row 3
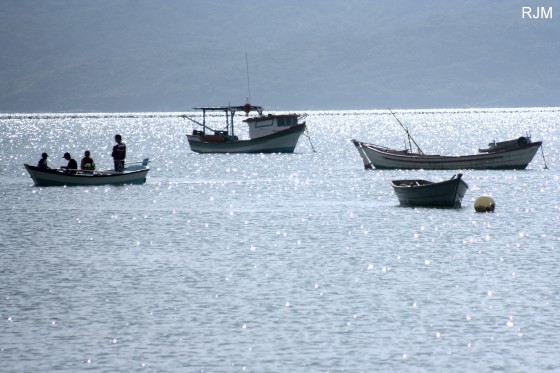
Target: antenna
column 248, row 82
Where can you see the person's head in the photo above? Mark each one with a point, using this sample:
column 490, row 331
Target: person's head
column 44, row 155
column 67, row 156
column 87, row 153
column 118, row 138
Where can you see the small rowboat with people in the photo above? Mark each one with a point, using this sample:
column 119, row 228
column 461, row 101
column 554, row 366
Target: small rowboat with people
column 448, row 193
column 272, row 133
column 134, row 173
column 506, row 155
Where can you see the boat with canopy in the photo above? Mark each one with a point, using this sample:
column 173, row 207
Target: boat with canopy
column 272, row 133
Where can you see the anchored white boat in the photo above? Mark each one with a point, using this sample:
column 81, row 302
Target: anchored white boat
column 133, row 174
column 516, row 156
column 512, row 154
column 272, row 133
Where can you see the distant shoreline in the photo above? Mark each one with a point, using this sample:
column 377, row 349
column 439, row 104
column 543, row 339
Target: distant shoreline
column 330, row 112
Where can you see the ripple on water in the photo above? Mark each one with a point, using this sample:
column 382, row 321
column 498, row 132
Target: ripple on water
column 272, row 262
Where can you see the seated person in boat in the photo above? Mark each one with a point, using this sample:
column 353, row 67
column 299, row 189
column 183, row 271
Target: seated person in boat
column 87, row 162
column 43, row 165
column 72, row 166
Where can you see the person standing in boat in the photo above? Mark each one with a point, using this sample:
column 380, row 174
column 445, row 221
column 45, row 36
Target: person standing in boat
column 72, row 166
column 119, row 154
column 87, row 162
column 43, row 165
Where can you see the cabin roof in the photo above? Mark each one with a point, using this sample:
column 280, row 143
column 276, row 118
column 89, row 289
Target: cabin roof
column 265, row 117
column 228, row 108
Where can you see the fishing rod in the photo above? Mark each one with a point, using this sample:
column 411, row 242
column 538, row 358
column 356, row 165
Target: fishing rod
column 407, row 133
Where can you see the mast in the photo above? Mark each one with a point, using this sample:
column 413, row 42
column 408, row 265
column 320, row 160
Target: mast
column 232, row 114
column 407, row 133
column 248, row 82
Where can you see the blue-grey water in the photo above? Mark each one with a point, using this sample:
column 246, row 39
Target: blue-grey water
column 278, row 263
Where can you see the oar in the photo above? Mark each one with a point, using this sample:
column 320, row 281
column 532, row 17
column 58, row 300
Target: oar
column 144, row 162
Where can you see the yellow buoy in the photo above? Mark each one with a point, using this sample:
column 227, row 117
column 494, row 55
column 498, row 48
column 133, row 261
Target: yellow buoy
column 484, row 204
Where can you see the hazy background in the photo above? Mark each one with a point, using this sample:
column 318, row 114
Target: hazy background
column 140, row 55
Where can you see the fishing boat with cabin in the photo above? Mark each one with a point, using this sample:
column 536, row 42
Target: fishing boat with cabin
column 506, row 155
column 271, row 133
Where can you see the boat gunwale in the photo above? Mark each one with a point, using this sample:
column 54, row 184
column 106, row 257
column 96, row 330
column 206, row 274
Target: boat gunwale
column 426, row 183
column 388, row 153
column 84, row 173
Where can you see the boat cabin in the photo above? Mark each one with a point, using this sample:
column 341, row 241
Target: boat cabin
column 269, row 124
column 259, row 126
column 505, row 145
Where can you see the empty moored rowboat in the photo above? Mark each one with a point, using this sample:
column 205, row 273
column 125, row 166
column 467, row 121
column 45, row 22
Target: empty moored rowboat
column 134, row 174
column 448, row 193
column 267, row 133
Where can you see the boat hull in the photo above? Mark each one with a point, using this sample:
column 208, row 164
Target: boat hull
column 280, row 142
column 447, row 193
column 45, row 178
column 516, row 158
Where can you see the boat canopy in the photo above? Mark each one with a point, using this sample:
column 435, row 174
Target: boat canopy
column 230, row 112
column 259, row 109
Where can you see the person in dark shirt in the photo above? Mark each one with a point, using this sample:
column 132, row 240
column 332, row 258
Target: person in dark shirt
column 119, row 154
column 87, row 162
column 43, row 165
column 72, row 166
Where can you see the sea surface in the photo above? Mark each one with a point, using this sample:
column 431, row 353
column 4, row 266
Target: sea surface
column 298, row 262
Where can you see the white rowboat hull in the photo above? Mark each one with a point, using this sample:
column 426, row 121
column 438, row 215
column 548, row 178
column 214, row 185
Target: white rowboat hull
column 61, row 178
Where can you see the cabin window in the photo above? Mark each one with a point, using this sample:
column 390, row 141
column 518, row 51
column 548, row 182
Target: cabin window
column 263, row 123
column 286, row 121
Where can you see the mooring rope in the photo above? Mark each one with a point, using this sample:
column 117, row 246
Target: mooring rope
column 544, row 160
column 306, row 133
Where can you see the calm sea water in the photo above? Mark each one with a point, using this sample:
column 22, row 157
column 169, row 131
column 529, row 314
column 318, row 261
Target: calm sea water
column 278, row 263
